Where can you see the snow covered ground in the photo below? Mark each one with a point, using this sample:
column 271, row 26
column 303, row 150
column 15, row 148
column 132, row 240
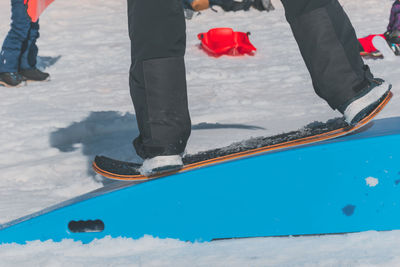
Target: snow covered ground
column 50, row 132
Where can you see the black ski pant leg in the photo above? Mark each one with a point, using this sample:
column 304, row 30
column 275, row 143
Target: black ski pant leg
column 330, row 49
column 157, row 76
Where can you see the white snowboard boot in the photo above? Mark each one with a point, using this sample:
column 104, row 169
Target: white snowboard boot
column 160, row 164
column 364, row 104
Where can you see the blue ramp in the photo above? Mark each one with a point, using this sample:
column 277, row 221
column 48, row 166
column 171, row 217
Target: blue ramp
column 349, row 184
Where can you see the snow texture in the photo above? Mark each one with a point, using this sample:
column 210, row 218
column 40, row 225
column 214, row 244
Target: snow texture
column 51, row 131
column 371, row 181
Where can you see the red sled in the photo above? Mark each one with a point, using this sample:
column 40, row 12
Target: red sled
column 36, row 7
column 224, row 41
column 366, row 43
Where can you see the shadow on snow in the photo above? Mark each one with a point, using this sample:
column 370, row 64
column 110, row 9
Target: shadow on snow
column 111, row 134
column 45, row 62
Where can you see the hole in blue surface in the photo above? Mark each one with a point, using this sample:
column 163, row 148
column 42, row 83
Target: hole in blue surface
column 349, row 210
column 89, row 226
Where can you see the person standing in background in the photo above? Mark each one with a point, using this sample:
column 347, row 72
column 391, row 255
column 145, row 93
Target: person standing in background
column 19, row 51
column 392, row 33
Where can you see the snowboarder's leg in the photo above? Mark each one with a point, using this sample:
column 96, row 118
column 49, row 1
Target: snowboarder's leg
column 330, row 49
column 157, row 76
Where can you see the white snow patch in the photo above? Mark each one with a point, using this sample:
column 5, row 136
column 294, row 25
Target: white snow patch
column 371, row 181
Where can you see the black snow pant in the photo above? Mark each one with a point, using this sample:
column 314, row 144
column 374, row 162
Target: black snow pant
column 157, row 76
column 324, row 34
column 330, row 49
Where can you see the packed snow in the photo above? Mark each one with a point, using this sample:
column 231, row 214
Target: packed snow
column 51, row 131
column 371, row 181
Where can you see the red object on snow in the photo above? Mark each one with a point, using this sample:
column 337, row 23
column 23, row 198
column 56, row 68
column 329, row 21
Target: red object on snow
column 224, row 41
column 366, row 43
column 36, row 7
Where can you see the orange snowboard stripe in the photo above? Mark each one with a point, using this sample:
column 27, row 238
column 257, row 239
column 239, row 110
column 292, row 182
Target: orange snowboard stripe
column 288, row 144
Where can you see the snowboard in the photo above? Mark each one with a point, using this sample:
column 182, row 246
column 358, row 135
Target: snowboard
column 310, row 134
column 371, row 55
column 375, row 46
column 383, row 47
column 36, row 7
